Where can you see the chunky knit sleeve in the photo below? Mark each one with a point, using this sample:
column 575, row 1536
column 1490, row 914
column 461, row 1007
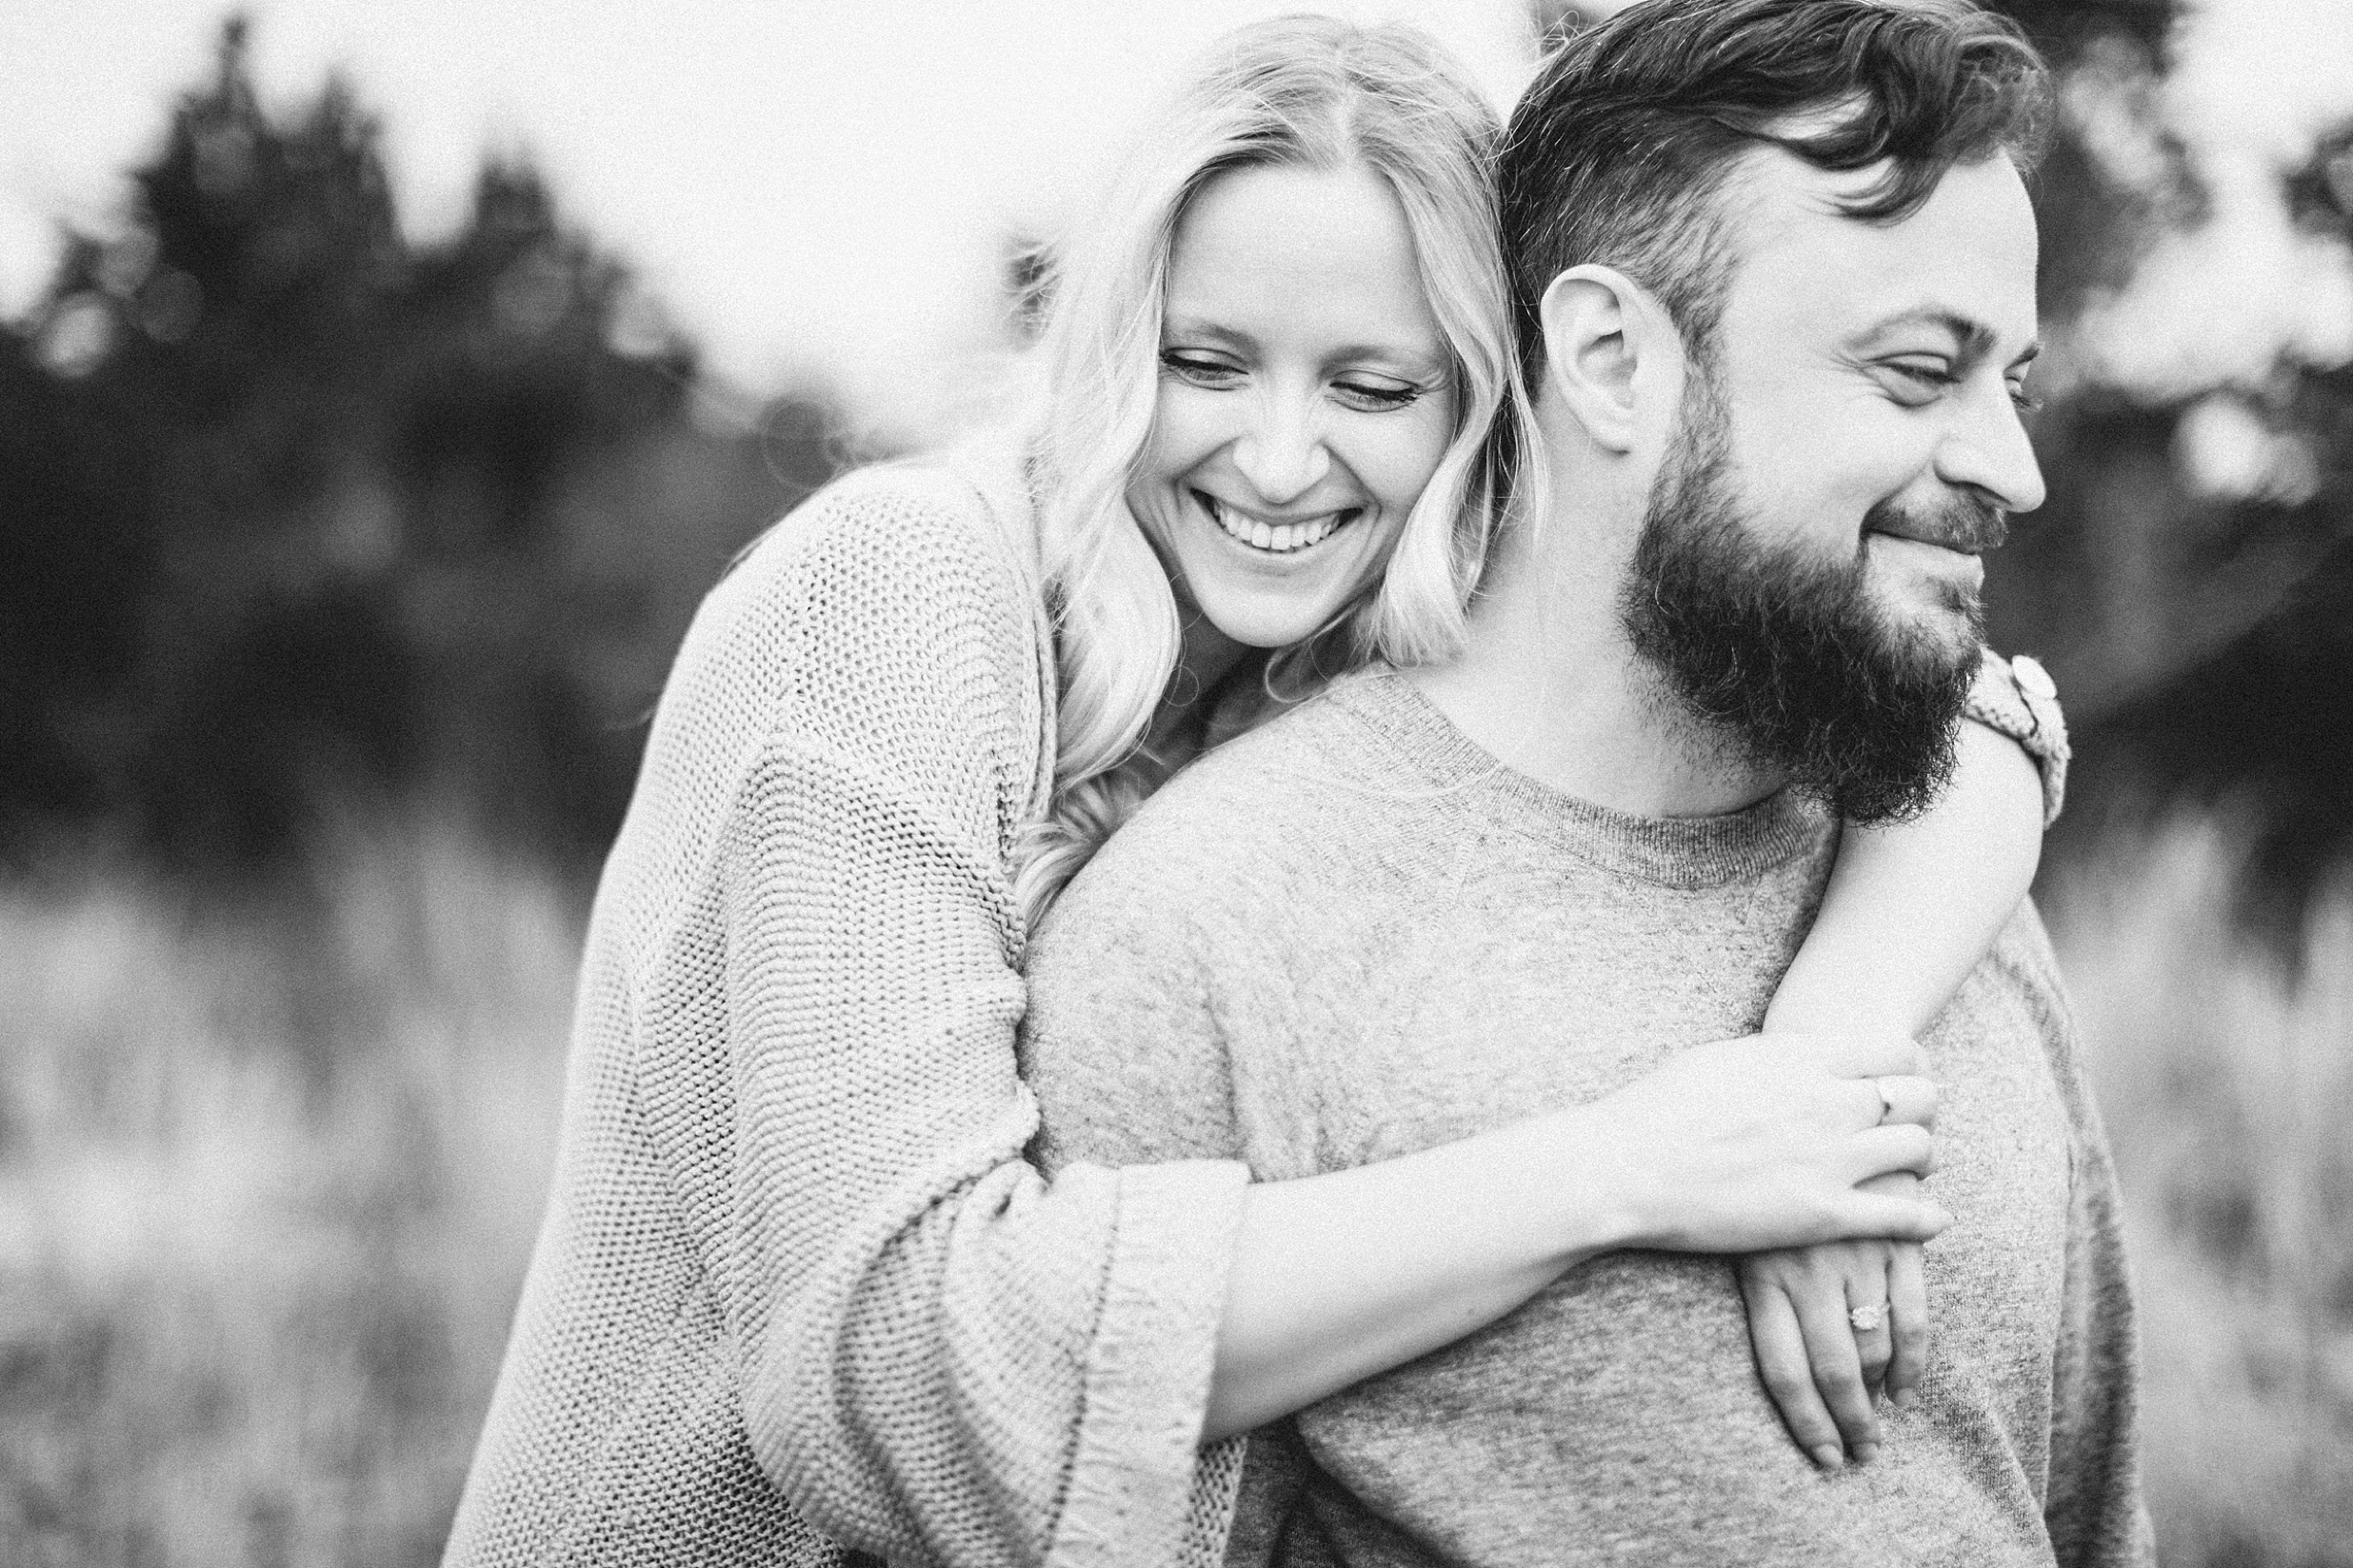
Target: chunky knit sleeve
column 940, row 1357
column 2017, row 698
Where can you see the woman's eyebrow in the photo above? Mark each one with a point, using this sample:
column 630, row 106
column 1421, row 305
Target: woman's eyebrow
column 1194, row 330
column 1404, row 357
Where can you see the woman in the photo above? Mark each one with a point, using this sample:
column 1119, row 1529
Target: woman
column 796, row 1282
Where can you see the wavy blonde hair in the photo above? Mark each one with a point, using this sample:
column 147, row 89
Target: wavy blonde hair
column 1298, row 91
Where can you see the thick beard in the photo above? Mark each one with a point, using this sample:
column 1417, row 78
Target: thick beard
column 1786, row 654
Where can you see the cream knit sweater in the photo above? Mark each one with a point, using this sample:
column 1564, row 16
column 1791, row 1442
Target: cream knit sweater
column 796, row 1285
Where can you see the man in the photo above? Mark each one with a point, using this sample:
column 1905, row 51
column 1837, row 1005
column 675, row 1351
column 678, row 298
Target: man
column 1774, row 262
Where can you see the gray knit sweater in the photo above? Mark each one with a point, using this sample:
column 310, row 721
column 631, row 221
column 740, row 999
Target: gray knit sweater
column 796, row 1286
column 1352, row 934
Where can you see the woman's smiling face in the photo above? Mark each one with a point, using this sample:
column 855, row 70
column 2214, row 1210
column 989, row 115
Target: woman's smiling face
column 1305, row 397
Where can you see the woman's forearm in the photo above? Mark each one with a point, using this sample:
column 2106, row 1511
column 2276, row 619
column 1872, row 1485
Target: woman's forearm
column 1337, row 1278
column 1911, row 908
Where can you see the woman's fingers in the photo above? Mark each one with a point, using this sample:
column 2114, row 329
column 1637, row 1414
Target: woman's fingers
column 1865, row 1215
column 1898, row 1146
column 1830, row 1350
column 1863, row 1056
column 1867, row 1317
column 1888, row 1100
column 1780, row 1346
column 1905, row 1097
column 1907, row 1297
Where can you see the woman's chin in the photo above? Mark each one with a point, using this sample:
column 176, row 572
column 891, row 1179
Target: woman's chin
column 1269, row 625
column 1273, row 608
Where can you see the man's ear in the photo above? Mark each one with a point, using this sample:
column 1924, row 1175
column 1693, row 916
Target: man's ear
column 1610, row 353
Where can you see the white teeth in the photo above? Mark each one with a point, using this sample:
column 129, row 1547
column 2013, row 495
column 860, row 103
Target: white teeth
column 1276, row 539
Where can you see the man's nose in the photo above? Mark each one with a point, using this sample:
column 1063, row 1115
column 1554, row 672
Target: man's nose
column 1282, row 455
column 1988, row 452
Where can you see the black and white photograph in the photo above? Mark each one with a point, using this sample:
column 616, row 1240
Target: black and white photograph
column 1288, row 784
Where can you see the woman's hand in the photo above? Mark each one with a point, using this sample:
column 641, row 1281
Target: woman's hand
column 1822, row 1370
column 1746, row 1145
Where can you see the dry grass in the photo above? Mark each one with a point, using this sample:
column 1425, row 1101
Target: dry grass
column 266, row 1188
column 267, row 1184
column 2226, row 1074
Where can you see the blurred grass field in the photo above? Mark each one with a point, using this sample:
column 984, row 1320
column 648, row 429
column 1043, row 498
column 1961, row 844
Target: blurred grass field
column 2224, row 1069
column 267, row 1185
column 267, row 1179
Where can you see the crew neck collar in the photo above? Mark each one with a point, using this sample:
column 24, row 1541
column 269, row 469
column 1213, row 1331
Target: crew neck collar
column 1672, row 851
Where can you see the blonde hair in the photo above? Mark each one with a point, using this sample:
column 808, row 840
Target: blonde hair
column 1305, row 92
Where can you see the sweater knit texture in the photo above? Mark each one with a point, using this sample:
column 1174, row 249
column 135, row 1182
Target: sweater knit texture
column 796, row 1290
column 1353, row 934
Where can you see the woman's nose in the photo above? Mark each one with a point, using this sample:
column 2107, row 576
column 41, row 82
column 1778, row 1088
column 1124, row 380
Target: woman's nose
column 1282, row 457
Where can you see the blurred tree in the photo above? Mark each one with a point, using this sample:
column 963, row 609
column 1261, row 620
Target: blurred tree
column 72, row 563
column 2255, row 709
column 291, row 509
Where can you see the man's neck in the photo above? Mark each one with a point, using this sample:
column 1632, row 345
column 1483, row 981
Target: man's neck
column 1549, row 684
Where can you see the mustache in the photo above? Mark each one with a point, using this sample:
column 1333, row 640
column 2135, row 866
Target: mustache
column 1962, row 523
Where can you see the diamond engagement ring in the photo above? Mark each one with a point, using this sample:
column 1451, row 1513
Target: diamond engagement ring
column 1866, row 1317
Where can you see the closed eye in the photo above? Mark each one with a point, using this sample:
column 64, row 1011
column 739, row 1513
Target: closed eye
column 1199, row 368
column 1374, row 399
column 1929, row 372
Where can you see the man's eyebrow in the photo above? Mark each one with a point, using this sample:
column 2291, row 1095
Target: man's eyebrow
column 1974, row 338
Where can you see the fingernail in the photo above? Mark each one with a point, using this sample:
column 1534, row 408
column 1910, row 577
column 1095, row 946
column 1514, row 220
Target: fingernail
column 1828, row 1457
column 1865, row 1451
column 1901, row 1399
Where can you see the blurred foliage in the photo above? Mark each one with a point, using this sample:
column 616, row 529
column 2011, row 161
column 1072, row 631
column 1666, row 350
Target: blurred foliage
column 291, row 509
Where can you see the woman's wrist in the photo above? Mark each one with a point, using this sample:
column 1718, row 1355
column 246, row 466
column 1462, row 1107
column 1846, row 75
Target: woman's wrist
column 1813, row 1003
column 1597, row 1196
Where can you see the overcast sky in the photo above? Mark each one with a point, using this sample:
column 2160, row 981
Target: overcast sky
column 817, row 188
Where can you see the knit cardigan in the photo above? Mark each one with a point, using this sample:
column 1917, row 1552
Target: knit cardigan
column 796, row 1289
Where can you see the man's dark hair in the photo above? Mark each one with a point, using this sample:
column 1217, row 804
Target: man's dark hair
column 1619, row 151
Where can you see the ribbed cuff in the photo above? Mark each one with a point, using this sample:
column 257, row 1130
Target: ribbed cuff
column 1130, row 1499
column 2017, row 698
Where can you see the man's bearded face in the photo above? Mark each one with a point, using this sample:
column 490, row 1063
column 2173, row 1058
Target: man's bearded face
column 1783, row 649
